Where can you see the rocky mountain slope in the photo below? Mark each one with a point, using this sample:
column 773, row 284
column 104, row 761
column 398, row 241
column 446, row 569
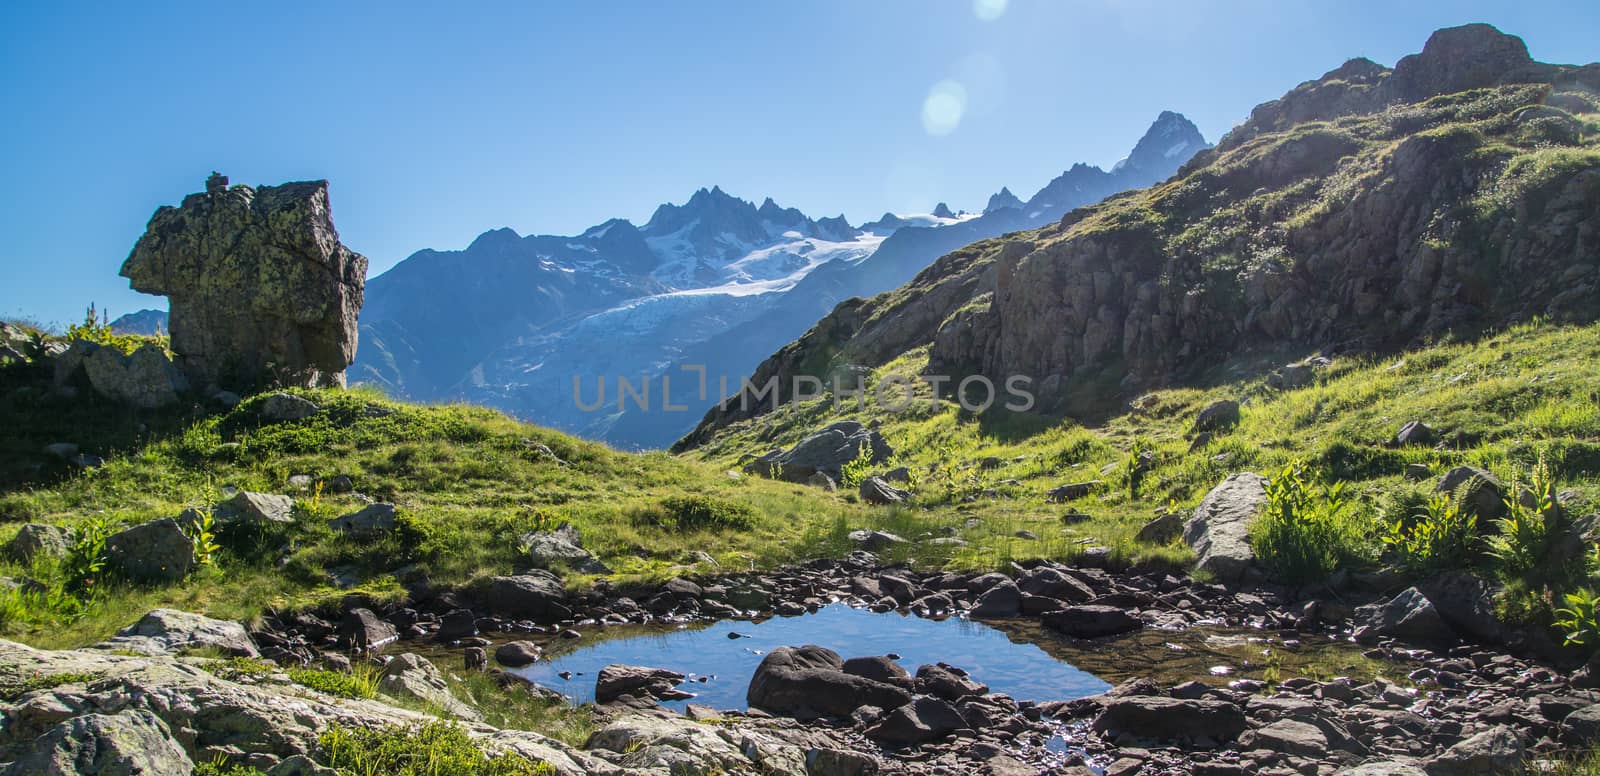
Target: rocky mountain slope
column 1366, row 210
column 717, row 281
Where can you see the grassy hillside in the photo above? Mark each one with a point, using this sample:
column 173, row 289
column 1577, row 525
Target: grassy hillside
column 1502, row 402
column 467, row 481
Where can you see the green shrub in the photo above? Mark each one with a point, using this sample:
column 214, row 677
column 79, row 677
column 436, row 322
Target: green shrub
column 96, row 328
column 1533, row 524
column 1577, row 620
column 855, row 470
column 1307, row 531
column 682, row 514
column 86, row 557
column 435, row 749
column 1439, row 536
column 220, row 767
column 361, row 682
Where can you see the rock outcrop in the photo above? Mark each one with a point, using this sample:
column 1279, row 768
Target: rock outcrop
column 825, row 451
column 1219, row 531
column 261, row 289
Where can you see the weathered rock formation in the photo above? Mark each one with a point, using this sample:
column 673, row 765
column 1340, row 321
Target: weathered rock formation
column 261, row 288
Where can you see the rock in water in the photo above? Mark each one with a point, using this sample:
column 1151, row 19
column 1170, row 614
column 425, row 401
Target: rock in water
column 260, row 285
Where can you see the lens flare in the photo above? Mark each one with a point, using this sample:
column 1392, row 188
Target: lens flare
column 943, row 108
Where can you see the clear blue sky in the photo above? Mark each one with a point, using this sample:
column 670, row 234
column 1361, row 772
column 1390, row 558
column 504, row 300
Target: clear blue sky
column 435, row 123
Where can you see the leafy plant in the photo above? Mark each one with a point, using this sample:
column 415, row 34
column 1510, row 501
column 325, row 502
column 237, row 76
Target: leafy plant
column 697, row 513
column 96, row 328
column 1437, row 537
column 201, row 531
column 86, row 557
column 220, row 767
column 1307, row 530
column 1137, row 464
column 1532, row 524
column 434, row 749
column 1578, row 618
column 855, row 470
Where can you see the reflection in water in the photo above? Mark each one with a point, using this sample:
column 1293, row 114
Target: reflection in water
column 1016, row 657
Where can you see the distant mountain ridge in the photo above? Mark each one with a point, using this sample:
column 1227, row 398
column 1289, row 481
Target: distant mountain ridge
column 143, row 322
column 717, row 280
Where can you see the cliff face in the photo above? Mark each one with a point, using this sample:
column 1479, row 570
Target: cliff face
column 1366, row 210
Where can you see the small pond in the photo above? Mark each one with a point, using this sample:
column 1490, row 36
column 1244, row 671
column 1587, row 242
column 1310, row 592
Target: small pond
column 1017, row 657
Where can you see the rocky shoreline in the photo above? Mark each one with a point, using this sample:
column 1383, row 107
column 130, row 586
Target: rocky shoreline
column 1466, row 708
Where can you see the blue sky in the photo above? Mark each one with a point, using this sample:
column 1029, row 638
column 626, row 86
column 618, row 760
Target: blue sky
column 435, row 123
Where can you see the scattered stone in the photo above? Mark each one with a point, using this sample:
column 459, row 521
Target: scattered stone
column 1477, row 491
column 1091, row 621
column 561, row 548
column 371, row 519
column 1170, row 719
column 1217, row 416
column 536, row 594
column 1219, row 531
column 258, row 280
column 38, row 540
column 1161, row 530
column 516, row 654
column 823, row 481
column 66, row 451
column 169, row 632
column 254, row 509
column 1074, row 491
column 874, row 490
column 1287, row 735
column 474, row 659
column 898, row 474
column 411, row 676
column 1001, row 601
column 157, row 551
column 287, row 408
column 874, row 541
column 1496, row 750
column 616, row 681
column 1411, row 617
column 920, row 721
column 1415, row 433
column 943, row 681
column 1417, row 472
column 361, row 629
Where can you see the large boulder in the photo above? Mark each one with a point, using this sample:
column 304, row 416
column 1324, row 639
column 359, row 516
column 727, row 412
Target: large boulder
column 1217, row 416
column 1170, row 719
column 260, row 286
column 1496, row 750
column 1411, row 617
column 920, row 721
column 362, row 628
column 129, row 743
column 801, row 681
column 1002, row 600
column 157, row 551
column 169, row 631
column 1219, row 531
column 537, row 594
column 36, row 539
column 1091, row 621
column 287, row 408
column 825, row 451
column 876, row 490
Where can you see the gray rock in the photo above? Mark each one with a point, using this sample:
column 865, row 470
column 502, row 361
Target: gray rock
column 1417, row 472
column 898, row 474
column 361, row 629
column 1477, row 490
column 260, row 286
column 1415, row 433
column 811, row 680
column 825, row 451
column 129, row 743
column 874, row 490
column 670, row 744
column 561, row 548
column 66, row 451
column 920, row 721
column 515, row 654
column 878, row 669
column 1581, row 728
column 1074, row 491
column 145, row 378
column 824, row 761
column 1411, row 617
column 1170, row 719
column 1496, row 750
column 875, row 541
column 535, row 594
column 942, row 681
column 1383, row 768
column 1046, row 582
column 1289, row 736
column 1160, row 530
column 1001, row 601
column 615, row 681
column 1219, row 531
column 371, row 519
column 169, row 631
column 287, row 408
column 411, row 676
column 1292, row 376
column 1466, row 603
column 1217, row 416
column 36, row 539
column 823, row 481
column 254, row 509
column 1091, row 621
column 157, row 551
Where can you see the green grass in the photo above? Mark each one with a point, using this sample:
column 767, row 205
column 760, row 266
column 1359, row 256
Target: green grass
column 361, row 681
column 434, row 749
